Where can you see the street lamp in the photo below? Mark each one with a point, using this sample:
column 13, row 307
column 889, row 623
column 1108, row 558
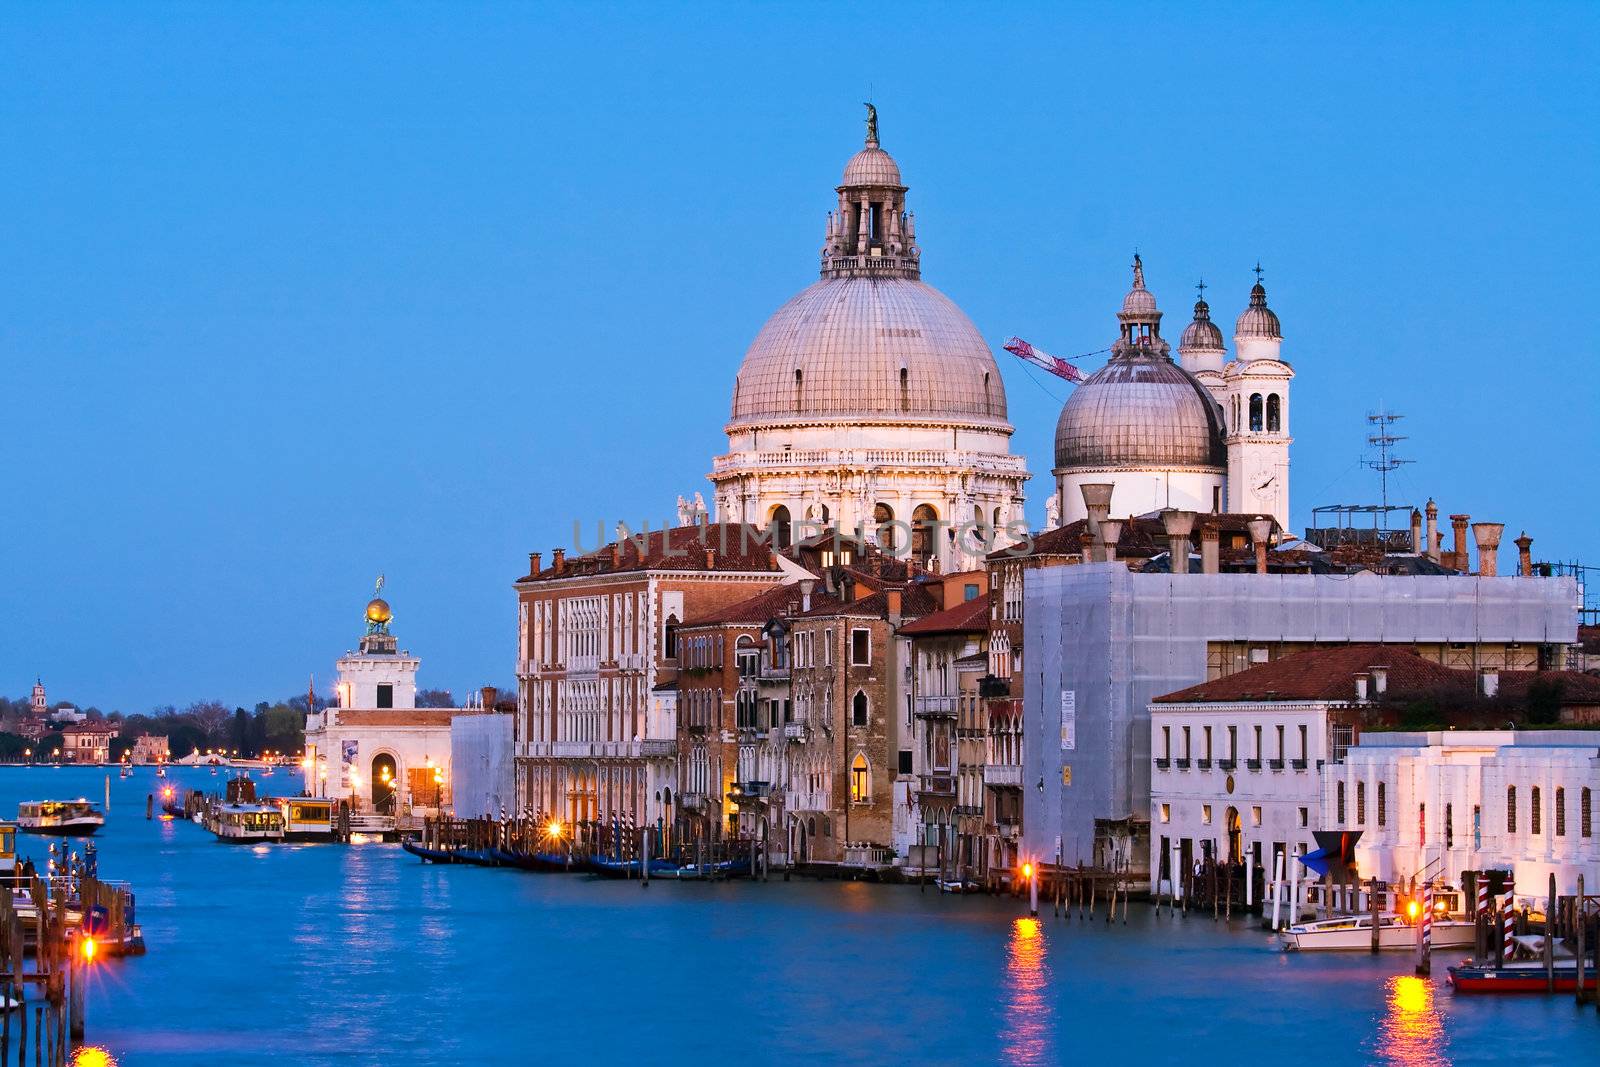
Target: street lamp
column 438, row 788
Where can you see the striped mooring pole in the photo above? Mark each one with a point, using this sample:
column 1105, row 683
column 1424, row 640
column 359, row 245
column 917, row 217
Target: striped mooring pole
column 1483, row 894
column 1508, row 916
column 1425, row 952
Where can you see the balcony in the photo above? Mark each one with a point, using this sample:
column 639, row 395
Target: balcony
column 1276, row 764
column 1002, row 775
column 693, row 801
column 1298, row 764
column 794, row 731
column 1227, row 764
column 1203, row 764
column 1252, row 764
column 769, row 673
column 935, row 707
column 1181, row 764
column 991, row 688
column 750, row 791
column 939, row 785
column 1163, row 763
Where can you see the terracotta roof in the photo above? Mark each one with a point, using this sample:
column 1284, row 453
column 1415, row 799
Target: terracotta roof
column 967, row 617
column 1142, row 536
column 779, row 602
column 396, row 717
column 915, row 601
column 714, row 547
column 1327, row 674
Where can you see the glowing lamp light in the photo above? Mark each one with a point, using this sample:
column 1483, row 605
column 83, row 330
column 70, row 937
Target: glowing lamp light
column 88, row 949
column 554, row 828
column 1027, row 870
column 1413, row 908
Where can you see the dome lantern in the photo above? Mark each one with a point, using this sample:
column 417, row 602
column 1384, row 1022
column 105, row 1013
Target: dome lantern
column 870, row 233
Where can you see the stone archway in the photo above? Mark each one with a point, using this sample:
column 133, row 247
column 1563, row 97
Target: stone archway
column 385, row 782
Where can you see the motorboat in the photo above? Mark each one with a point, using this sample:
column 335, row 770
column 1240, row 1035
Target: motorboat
column 1353, row 933
column 247, row 823
column 60, row 818
column 307, row 818
column 1525, row 972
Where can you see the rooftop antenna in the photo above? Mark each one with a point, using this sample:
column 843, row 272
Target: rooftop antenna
column 1383, row 438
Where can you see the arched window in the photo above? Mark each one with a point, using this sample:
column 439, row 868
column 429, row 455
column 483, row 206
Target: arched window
column 1584, row 823
column 1533, row 812
column 858, row 709
column 1449, row 827
column 905, row 390
column 1511, row 809
column 922, row 527
column 1561, row 812
column 883, row 516
column 781, row 531
column 1338, row 792
column 1274, row 413
column 1255, row 412
column 988, row 401
column 1383, row 804
column 860, row 785
column 669, row 640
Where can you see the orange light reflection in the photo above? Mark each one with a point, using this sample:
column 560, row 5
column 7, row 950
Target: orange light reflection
column 1028, row 1029
column 1413, row 1030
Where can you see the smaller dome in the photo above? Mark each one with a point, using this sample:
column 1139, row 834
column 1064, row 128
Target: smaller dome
column 1202, row 332
column 1140, row 303
column 378, row 611
column 1258, row 320
column 871, row 166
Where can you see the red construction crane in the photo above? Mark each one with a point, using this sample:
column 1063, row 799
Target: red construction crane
column 1043, row 360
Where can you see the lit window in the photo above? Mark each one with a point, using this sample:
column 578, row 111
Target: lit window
column 1166, row 813
column 1255, row 816
column 860, row 792
column 1205, row 814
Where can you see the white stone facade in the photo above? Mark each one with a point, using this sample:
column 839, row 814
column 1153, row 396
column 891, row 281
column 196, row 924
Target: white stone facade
column 1455, row 801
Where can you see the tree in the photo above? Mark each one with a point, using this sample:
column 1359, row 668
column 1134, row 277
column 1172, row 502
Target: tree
column 12, row 746
column 211, row 718
column 435, row 698
column 283, row 729
column 48, row 745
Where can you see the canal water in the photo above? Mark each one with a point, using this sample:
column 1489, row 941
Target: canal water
column 360, row 954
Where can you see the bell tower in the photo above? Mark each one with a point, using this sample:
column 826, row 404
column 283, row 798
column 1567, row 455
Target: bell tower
column 1257, row 387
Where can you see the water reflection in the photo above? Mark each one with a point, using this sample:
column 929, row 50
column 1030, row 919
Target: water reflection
column 1028, row 1032
column 93, row 1056
column 1413, row 1030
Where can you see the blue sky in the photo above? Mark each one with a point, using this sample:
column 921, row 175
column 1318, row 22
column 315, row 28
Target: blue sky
column 295, row 294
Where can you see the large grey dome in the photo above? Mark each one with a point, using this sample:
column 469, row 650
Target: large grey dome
column 850, row 347
column 1139, row 411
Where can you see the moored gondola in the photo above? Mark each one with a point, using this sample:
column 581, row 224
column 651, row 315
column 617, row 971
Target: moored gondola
column 426, row 854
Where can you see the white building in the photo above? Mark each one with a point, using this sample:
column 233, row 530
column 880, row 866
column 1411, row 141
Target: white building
column 1200, row 435
column 1453, row 801
column 870, row 399
column 376, row 748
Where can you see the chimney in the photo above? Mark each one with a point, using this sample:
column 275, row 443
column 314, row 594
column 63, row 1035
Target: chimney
column 487, row 695
column 1380, row 679
column 1096, row 504
column 806, row 585
column 1524, row 555
column 711, row 559
column 1416, row 531
column 1110, row 534
column 1179, row 525
column 1432, row 545
column 1361, row 686
column 616, row 554
column 1210, row 557
column 1488, row 681
column 1086, row 545
column 893, row 596
column 1487, row 534
column 558, row 560
column 1260, row 531
column 533, row 563
column 1458, row 527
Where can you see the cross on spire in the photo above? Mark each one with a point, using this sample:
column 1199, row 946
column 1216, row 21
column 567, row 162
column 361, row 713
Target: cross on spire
column 1200, row 287
column 1258, row 272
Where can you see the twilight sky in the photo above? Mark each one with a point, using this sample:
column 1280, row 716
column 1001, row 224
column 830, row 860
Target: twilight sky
column 297, row 294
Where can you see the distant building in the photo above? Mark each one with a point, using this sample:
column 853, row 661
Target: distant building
column 87, row 742
column 376, row 748
column 150, row 748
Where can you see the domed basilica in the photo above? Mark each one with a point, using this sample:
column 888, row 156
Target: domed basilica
column 870, row 400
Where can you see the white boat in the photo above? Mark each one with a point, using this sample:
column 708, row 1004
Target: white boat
column 59, row 818
column 307, row 818
column 1353, row 933
column 244, row 823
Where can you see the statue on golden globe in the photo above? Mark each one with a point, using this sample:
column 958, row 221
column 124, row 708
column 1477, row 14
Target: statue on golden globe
column 378, row 614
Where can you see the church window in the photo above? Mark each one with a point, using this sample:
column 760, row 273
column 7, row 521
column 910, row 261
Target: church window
column 922, row 527
column 1255, row 412
column 905, row 390
column 781, row 532
column 1511, row 809
column 883, row 516
column 1274, row 413
column 1534, row 811
column 799, row 384
column 858, row 709
column 1561, row 812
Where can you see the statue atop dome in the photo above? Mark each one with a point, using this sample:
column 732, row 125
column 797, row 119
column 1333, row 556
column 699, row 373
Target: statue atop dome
column 872, row 124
